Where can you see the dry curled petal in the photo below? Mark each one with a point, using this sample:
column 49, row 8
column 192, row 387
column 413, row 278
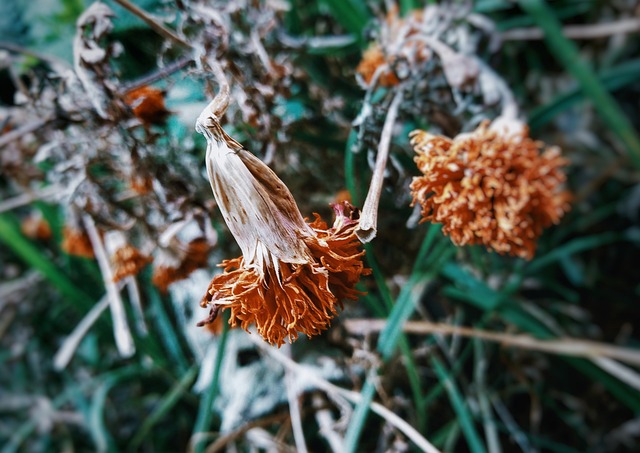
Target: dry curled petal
column 495, row 186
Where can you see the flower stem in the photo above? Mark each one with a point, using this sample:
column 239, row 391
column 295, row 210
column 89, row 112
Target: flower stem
column 368, row 227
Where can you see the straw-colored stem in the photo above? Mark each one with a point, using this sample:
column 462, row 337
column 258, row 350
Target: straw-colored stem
column 368, row 227
column 121, row 331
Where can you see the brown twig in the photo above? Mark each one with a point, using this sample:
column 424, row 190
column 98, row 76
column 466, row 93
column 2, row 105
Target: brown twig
column 15, row 134
column 562, row 346
column 160, row 74
column 368, row 226
column 151, row 22
column 591, row 31
column 223, row 440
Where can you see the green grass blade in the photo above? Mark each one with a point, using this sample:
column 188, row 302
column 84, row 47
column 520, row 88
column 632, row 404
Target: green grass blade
column 459, row 406
column 166, row 403
column 353, row 16
column 166, row 332
column 99, row 432
column 567, row 54
column 612, row 79
column 11, row 236
column 203, row 421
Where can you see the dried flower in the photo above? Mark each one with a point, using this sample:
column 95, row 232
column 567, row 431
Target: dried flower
column 493, row 186
column 373, row 58
column 127, row 261
column 291, row 276
column 284, row 298
column 141, row 184
column 76, row 242
column 36, row 227
column 147, row 104
column 178, row 263
column 386, row 51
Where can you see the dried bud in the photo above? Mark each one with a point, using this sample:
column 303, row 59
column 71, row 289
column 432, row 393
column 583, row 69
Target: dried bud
column 36, row 227
column 493, row 186
column 177, row 263
column 76, row 242
column 147, row 104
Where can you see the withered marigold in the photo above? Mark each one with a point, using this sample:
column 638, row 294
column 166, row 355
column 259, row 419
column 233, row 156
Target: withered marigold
column 394, row 30
column 36, row 227
column 177, row 263
column 127, row 261
column 76, row 242
column 147, row 104
column 285, row 298
column 494, row 186
column 292, row 276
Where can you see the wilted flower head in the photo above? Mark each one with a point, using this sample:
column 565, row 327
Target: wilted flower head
column 147, row 104
column 494, row 186
column 177, row 262
column 35, row 226
column 75, row 241
column 291, row 276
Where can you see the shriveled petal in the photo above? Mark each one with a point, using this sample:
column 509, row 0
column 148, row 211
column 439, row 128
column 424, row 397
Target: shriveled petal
column 256, row 205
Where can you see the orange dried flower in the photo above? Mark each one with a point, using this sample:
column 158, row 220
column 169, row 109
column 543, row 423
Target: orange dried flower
column 372, row 59
column 377, row 54
column 36, row 227
column 141, row 184
column 127, row 261
column 292, row 276
column 494, row 186
column 283, row 299
column 147, row 104
column 194, row 257
column 76, row 242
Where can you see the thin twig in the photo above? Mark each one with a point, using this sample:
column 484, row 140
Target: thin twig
column 225, row 439
column 160, row 74
column 590, row 31
column 327, row 423
column 563, row 346
column 71, row 343
column 15, row 134
column 294, row 407
column 625, row 374
column 136, row 303
column 151, row 22
column 368, row 226
column 121, row 330
column 311, row 377
column 56, row 64
column 26, row 198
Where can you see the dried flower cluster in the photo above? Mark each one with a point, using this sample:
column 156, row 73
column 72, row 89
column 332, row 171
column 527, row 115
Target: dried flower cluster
column 494, row 187
column 382, row 56
column 147, row 104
